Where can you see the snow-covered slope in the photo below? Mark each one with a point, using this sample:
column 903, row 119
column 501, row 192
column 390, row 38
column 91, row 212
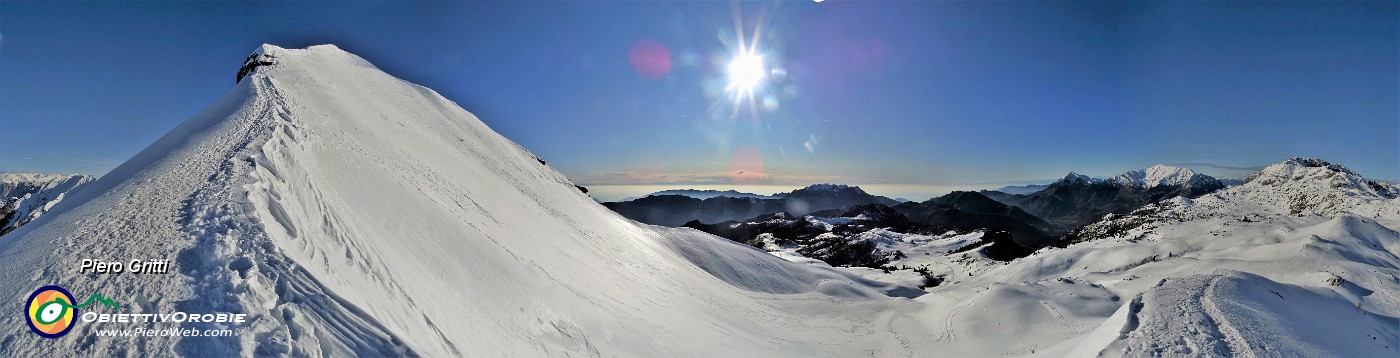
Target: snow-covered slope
column 1301, row 260
column 26, row 196
column 349, row 212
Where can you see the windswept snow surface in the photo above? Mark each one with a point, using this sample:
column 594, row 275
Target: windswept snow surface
column 349, row 212
column 352, row 213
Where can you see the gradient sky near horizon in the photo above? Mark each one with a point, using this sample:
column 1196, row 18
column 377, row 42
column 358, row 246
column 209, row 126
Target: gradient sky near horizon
column 857, row 92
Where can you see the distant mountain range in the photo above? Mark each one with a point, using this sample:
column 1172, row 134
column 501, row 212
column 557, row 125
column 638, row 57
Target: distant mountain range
column 1034, row 219
column 26, row 196
column 1022, row 189
column 675, row 210
column 706, row 194
column 1078, row 199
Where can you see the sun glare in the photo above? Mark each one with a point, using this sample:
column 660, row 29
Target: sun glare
column 746, row 71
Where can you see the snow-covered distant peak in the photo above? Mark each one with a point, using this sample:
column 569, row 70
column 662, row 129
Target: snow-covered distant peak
column 1297, row 168
column 37, row 177
column 1158, row 175
column 1296, row 187
column 1076, row 178
column 26, row 196
column 1317, row 175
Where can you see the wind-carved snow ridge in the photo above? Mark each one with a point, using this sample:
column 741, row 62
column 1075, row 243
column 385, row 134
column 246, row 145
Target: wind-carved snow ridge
column 348, row 212
column 238, row 268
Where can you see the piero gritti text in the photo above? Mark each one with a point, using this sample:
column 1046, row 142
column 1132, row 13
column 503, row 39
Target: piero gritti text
column 136, row 266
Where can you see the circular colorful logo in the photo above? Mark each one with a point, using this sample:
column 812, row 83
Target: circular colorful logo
column 49, row 311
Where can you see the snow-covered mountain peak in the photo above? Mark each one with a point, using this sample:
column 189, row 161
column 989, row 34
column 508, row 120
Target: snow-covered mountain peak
column 1300, row 245
column 1076, row 178
column 1317, row 175
column 351, row 213
column 1297, row 168
column 26, row 196
column 13, row 177
column 1158, row 175
column 1296, row 187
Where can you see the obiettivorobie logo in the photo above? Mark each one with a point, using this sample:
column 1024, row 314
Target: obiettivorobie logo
column 50, row 310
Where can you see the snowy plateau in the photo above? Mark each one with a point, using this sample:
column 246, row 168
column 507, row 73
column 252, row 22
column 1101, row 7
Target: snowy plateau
column 347, row 212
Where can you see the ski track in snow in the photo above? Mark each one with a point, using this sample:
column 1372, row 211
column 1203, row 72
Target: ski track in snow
column 1238, row 345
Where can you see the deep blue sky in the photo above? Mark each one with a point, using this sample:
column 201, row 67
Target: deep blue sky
column 875, row 92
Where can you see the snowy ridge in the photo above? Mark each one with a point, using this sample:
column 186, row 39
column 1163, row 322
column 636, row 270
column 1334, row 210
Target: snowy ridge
column 352, row 213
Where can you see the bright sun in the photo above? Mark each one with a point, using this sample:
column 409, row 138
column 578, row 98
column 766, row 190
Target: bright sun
column 746, row 71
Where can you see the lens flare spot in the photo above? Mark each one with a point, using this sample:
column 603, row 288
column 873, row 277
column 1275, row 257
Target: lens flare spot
column 770, row 102
column 650, row 59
